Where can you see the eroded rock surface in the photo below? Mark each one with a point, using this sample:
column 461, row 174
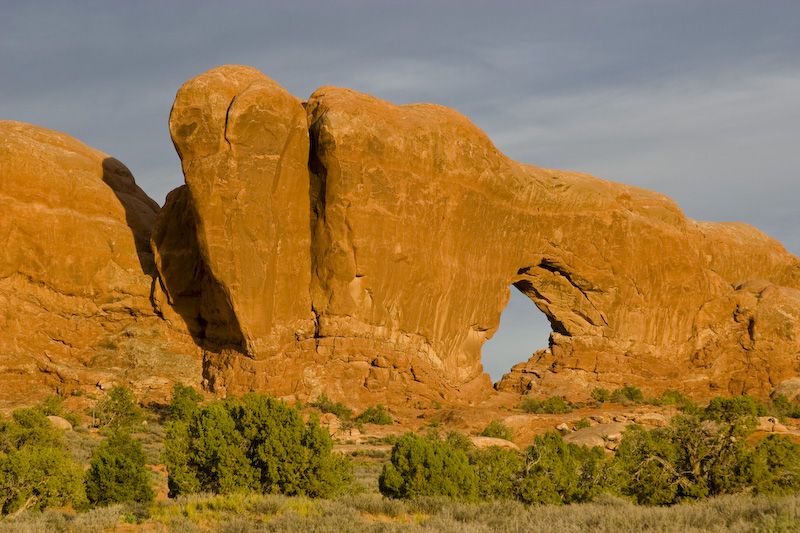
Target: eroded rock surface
column 368, row 252
column 76, row 272
column 350, row 246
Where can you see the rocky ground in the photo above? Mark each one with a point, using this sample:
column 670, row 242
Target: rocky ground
column 606, row 423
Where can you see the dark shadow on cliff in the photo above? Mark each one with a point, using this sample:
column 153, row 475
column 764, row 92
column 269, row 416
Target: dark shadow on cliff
column 185, row 283
column 140, row 210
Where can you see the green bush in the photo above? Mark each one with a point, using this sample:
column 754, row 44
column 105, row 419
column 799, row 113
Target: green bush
column 498, row 472
column 459, row 441
column 118, row 473
column 252, row 443
column 35, row 471
column 375, row 415
column 326, row 405
column 553, row 405
column 739, row 411
column 530, row 405
column 498, row 430
column 556, row 472
column 691, row 459
column 782, row 407
column 118, row 410
column 774, row 466
column 184, row 403
column 420, row 467
column 627, row 394
column 583, row 423
column 673, row 397
column 601, row 395
column 52, row 405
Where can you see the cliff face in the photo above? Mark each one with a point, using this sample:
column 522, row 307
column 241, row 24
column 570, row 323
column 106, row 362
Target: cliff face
column 350, row 246
column 76, row 273
column 417, row 225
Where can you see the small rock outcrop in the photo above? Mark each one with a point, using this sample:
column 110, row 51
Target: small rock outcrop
column 605, row 436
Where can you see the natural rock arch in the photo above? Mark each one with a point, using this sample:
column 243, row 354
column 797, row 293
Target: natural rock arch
column 418, row 224
column 524, row 329
column 349, row 246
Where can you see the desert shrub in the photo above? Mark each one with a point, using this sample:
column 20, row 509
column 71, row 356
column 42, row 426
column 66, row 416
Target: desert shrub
column 35, row 471
column 371, row 453
column 497, row 471
column 741, row 412
column 673, row 397
column 530, row 405
column 252, row 443
column 774, row 466
column 782, row 407
column 552, row 405
column 583, row 423
column 691, row 459
column 375, row 415
column 459, row 441
column 52, row 405
column 118, row 472
column 498, row 430
column 627, row 394
column 184, row 402
column 557, row 472
column 556, row 405
column 420, row 467
column 118, row 410
column 326, row 405
column 601, row 395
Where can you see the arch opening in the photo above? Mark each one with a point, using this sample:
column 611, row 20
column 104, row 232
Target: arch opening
column 523, row 330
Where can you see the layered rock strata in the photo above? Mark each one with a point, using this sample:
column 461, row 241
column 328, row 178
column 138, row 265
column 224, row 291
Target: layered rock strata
column 76, row 273
column 364, row 249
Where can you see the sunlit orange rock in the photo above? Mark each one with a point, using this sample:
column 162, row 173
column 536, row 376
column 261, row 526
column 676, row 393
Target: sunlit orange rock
column 417, row 227
column 76, row 273
column 350, row 246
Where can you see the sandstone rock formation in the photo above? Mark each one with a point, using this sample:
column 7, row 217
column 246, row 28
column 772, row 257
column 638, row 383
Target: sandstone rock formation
column 350, row 246
column 371, row 254
column 76, row 273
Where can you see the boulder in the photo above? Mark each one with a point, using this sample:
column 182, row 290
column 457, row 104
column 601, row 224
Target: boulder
column 599, row 435
column 652, row 420
column 60, row 423
column 487, row 442
column 770, row 424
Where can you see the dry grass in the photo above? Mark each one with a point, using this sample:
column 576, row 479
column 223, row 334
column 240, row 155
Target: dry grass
column 247, row 513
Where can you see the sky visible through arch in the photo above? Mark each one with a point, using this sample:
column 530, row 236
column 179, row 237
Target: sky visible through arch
column 694, row 99
column 523, row 330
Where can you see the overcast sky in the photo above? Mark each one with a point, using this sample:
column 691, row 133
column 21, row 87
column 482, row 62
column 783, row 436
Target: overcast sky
column 697, row 99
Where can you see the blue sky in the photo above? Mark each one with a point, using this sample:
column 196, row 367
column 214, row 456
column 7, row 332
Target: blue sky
column 697, row 99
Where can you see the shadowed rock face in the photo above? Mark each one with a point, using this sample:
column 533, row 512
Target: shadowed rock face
column 365, row 249
column 76, row 272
